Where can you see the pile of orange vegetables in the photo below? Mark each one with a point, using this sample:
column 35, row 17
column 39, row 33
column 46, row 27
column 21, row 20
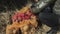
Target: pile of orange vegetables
column 22, row 19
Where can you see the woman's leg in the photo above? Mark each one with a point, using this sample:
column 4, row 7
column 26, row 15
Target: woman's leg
column 53, row 30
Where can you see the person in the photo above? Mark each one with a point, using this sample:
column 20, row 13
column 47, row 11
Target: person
column 44, row 8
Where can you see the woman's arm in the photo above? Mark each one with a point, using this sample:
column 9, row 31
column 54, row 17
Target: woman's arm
column 41, row 5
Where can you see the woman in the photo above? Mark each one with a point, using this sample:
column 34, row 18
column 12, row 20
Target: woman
column 44, row 9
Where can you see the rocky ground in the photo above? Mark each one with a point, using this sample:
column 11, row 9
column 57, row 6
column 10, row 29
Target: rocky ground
column 5, row 19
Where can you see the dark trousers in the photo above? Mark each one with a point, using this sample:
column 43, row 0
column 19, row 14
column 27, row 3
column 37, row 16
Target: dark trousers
column 50, row 19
